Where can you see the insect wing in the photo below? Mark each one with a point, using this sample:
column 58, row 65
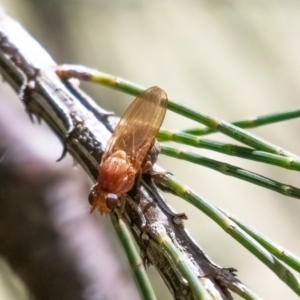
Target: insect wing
column 136, row 131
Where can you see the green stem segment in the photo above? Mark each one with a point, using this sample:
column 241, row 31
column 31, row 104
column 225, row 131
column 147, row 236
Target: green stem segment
column 230, row 170
column 283, row 254
column 232, row 229
column 184, row 267
column 229, row 149
column 252, row 122
column 134, row 259
column 228, row 129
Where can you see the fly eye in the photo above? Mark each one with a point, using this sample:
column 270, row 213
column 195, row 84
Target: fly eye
column 92, row 197
column 112, row 201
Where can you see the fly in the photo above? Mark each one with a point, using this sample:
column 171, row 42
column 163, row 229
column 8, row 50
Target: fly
column 131, row 150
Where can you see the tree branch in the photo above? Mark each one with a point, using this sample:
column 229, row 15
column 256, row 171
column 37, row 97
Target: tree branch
column 85, row 129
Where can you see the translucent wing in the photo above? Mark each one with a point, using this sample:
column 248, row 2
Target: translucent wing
column 136, row 131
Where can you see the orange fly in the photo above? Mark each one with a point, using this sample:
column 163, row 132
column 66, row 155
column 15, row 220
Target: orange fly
column 126, row 155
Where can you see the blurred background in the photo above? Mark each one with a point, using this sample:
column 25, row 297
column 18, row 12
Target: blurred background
column 227, row 58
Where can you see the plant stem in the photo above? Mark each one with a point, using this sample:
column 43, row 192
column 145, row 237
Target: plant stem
column 283, row 254
column 252, row 122
column 232, row 229
column 134, row 259
column 91, row 75
column 229, row 149
column 234, row 171
column 184, row 267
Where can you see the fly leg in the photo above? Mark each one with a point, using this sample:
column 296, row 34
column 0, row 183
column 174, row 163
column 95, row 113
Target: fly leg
column 150, row 160
column 123, row 202
column 138, row 211
column 133, row 199
column 149, row 172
